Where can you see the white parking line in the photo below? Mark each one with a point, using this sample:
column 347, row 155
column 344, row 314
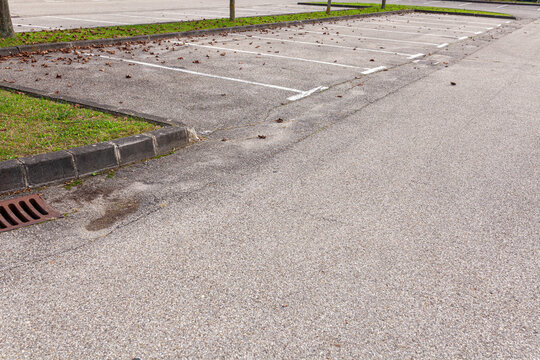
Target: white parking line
column 430, row 2
column 190, row 14
column 442, row 45
column 374, row 70
column 275, row 56
column 299, row 93
column 144, row 17
column 371, row 38
column 452, row 20
column 395, row 31
column 430, row 23
column 422, row 27
column 409, row 56
column 498, row 7
column 33, row 26
column 464, row 4
column 86, row 20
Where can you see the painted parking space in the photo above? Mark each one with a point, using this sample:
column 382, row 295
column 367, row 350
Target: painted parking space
column 62, row 21
column 203, row 81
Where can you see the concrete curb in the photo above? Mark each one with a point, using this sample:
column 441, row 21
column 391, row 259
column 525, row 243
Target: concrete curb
column 420, row 11
column 15, row 50
column 66, row 165
column 54, row 167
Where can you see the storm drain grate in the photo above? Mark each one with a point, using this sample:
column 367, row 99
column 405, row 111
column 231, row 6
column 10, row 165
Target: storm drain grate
column 23, row 211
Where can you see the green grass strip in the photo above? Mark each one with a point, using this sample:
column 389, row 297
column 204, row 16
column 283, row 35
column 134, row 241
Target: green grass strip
column 392, row 7
column 112, row 32
column 30, row 126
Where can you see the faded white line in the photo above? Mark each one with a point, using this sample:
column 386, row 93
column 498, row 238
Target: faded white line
column 498, row 7
column 442, row 45
column 427, row 23
column 301, row 93
column 463, row 38
column 331, row 45
column 464, row 4
column 86, row 20
column 371, row 38
column 452, row 20
column 421, row 27
column 275, row 56
column 143, row 17
column 190, row 14
column 33, row 26
column 394, row 31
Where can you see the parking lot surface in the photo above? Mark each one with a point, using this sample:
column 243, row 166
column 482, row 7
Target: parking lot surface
column 204, row 81
column 33, row 15
column 393, row 215
column 40, row 15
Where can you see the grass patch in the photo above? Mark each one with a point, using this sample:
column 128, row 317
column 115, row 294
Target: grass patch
column 30, row 126
column 392, row 7
column 113, row 32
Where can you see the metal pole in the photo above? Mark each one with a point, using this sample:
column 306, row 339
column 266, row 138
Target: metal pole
column 232, row 16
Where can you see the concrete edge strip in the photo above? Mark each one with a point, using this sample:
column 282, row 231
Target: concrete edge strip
column 15, row 50
column 116, row 111
column 419, row 10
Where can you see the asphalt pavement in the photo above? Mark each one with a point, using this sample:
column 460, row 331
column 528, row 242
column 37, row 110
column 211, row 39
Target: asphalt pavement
column 394, row 215
column 35, row 15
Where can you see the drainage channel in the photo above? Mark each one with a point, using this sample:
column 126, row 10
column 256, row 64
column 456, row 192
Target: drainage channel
column 24, row 211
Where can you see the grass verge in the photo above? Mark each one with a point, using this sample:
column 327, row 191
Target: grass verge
column 112, row 32
column 30, row 126
column 392, row 7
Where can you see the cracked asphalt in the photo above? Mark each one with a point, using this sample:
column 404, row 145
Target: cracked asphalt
column 393, row 215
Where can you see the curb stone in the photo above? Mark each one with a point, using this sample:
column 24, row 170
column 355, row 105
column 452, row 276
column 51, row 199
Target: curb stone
column 65, row 165
column 15, row 50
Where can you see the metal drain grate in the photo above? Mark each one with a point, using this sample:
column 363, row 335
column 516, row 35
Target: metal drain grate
column 23, row 211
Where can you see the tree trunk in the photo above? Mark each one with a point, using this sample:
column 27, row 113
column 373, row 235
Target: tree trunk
column 328, row 7
column 383, row 5
column 232, row 15
column 6, row 27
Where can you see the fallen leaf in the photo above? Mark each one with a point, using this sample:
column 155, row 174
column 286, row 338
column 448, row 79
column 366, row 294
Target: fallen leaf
column 262, row 136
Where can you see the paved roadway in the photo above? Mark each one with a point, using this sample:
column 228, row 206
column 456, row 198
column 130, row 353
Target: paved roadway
column 392, row 215
column 33, row 15
column 202, row 82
